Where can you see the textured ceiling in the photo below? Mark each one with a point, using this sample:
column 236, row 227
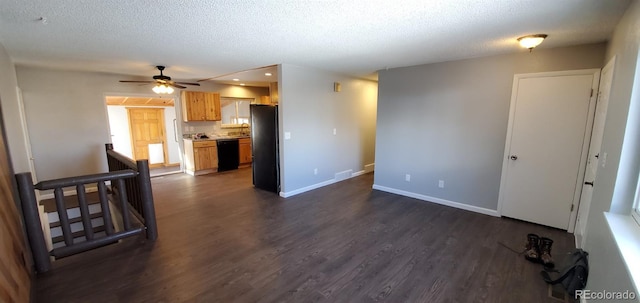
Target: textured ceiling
column 199, row 39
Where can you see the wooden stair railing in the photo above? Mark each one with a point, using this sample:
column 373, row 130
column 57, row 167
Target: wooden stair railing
column 122, row 182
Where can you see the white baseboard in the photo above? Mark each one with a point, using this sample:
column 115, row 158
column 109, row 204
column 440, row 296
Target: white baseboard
column 341, row 176
column 459, row 205
column 72, row 192
column 306, row 189
column 358, row 173
column 369, row 167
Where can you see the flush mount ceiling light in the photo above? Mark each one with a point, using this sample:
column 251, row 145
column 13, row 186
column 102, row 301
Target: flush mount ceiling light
column 268, row 74
column 531, row 41
column 162, row 89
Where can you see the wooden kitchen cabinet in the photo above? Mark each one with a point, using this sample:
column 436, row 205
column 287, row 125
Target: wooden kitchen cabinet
column 200, row 106
column 265, row 100
column 201, row 156
column 245, row 151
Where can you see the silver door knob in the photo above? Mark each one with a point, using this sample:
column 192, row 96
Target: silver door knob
column 513, row 157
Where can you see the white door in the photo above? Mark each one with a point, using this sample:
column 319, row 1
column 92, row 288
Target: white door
column 544, row 159
column 606, row 77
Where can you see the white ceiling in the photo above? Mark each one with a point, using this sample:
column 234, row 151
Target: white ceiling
column 199, row 39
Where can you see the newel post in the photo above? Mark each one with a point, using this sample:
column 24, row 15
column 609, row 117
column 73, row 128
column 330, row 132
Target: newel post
column 32, row 222
column 144, row 183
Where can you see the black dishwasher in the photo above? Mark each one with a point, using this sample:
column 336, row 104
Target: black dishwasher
column 228, row 156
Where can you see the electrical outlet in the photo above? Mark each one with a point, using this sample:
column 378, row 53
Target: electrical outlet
column 315, row 171
column 441, row 183
column 334, row 131
column 287, row 135
column 407, row 177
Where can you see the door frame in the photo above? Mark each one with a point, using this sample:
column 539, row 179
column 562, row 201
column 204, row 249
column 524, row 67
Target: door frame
column 583, row 208
column 595, row 72
column 177, row 107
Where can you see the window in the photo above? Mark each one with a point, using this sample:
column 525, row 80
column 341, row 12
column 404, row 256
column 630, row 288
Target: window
column 235, row 111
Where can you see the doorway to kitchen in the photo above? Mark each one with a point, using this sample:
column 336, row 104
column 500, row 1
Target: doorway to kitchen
column 145, row 128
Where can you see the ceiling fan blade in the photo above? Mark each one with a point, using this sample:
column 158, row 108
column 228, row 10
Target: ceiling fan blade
column 175, row 85
column 188, row 83
column 127, row 81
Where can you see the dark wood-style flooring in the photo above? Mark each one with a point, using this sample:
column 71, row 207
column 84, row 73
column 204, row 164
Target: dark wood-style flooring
column 221, row 240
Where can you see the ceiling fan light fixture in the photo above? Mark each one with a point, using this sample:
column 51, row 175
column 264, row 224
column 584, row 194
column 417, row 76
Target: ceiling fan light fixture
column 531, row 41
column 162, row 89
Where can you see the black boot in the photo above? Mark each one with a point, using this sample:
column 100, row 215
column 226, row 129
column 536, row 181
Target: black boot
column 532, row 252
column 545, row 252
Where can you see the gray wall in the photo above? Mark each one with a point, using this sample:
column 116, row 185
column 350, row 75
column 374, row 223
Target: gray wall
column 310, row 110
column 67, row 116
column 448, row 121
column 11, row 113
column 608, row 271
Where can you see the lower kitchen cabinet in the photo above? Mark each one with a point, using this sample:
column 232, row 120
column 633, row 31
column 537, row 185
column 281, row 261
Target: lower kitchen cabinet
column 245, row 151
column 201, row 157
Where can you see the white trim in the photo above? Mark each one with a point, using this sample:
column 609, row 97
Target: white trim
column 584, row 202
column 343, row 175
column 25, row 135
column 626, row 233
column 584, row 157
column 459, row 205
column 578, row 240
column 306, row 189
column 358, row 173
column 635, row 210
column 328, row 182
column 71, row 192
column 369, row 167
column 587, row 136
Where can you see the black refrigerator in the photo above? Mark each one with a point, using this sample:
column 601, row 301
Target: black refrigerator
column 264, row 147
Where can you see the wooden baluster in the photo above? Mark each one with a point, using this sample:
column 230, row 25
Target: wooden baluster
column 124, row 204
column 84, row 212
column 62, row 215
column 106, row 212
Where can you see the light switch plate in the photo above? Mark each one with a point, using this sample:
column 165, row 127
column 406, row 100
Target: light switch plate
column 287, row 135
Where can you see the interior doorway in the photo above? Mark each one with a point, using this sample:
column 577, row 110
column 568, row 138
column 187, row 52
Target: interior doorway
column 146, row 128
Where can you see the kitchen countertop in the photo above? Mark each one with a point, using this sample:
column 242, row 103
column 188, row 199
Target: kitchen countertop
column 219, row 138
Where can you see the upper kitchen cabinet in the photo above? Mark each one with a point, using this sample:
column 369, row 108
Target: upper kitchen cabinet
column 200, row 106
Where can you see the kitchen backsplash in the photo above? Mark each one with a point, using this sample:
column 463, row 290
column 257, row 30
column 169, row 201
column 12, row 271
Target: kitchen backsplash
column 210, row 128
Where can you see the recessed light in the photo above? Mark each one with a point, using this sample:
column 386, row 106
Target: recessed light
column 268, row 74
column 236, row 79
column 241, row 84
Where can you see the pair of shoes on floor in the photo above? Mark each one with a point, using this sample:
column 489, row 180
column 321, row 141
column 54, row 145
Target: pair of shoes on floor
column 538, row 250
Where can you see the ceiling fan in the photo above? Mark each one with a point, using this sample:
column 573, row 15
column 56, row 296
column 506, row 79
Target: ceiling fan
column 164, row 85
